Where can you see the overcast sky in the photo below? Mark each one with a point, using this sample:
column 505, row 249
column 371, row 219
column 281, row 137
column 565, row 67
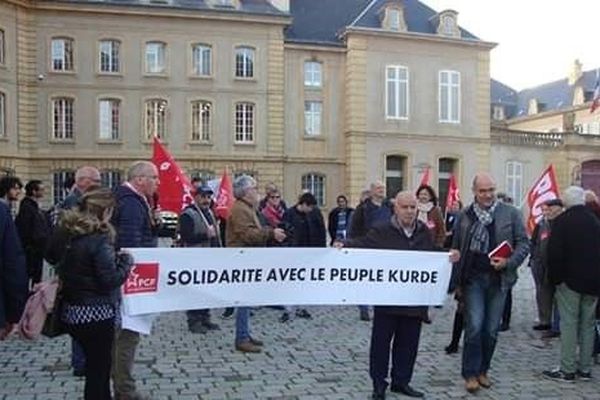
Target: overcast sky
column 538, row 40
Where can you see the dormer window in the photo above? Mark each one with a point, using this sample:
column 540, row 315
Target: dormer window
column 447, row 24
column 225, row 3
column 498, row 114
column 392, row 18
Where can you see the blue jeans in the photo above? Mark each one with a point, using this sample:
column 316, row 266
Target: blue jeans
column 484, row 300
column 242, row 324
column 77, row 356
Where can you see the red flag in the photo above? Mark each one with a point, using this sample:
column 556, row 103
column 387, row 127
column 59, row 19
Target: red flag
column 175, row 190
column 453, row 193
column 425, row 177
column 225, row 198
column 544, row 189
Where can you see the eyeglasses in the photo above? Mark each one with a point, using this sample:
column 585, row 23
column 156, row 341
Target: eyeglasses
column 275, row 196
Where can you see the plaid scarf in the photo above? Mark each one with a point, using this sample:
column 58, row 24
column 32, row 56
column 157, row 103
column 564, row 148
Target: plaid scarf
column 480, row 237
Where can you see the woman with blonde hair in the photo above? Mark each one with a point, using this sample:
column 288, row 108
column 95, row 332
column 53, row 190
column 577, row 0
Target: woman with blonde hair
column 91, row 275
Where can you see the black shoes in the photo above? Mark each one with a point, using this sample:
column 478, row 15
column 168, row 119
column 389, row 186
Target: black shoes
column 79, row 372
column 406, row 390
column 228, row 313
column 451, row 348
column 302, row 313
column 378, row 395
column 285, row 317
column 542, row 327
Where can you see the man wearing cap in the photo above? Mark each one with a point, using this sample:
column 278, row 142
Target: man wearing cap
column 198, row 227
column 544, row 289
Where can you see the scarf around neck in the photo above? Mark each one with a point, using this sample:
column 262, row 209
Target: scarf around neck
column 480, row 237
column 422, row 211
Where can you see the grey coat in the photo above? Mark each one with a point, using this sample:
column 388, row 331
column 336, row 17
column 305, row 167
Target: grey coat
column 509, row 226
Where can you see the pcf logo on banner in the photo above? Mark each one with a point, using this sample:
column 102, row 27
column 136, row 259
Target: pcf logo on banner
column 143, row 278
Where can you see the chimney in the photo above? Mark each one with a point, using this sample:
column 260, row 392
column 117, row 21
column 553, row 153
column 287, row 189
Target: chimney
column 576, row 72
column 281, row 5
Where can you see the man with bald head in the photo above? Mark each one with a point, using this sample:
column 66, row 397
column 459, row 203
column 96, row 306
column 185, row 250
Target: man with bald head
column 135, row 226
column 483, row 282
column 402, row 324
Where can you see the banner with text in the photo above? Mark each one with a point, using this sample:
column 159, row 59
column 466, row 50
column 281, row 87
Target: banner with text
column 174, row 279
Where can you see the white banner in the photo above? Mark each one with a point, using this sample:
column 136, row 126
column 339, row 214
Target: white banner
column 177, row 279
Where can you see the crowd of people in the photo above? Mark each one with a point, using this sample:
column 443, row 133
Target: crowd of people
column 82, row 236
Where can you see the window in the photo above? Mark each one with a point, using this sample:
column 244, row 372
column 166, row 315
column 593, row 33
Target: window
column 61, row 185
column 449, row 96
column 62, row 54
column 251, row 174
column 312, row 73
column 514, row 181
column 201, row 59
column 394, row 19
column 498, row 114
column 109, row 119
column 448, row 25
column 315, row 184
column 156, row 118
column 396, row 89
column 201, row 115
column 62, row 113
column 244, row 62
column 155, row 58
column 109, row 56
column 244, row 122
column 203, row 174
column 395, row 169
column 110, row 178
column 2, row 55
column 312, row 117
column 2, row 115
column 446, row 168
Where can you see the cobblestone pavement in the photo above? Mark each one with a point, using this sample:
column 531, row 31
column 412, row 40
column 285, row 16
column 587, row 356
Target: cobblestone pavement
column 324, row 358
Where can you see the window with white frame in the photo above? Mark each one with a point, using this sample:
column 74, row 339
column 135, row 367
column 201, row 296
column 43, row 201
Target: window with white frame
column 498, row 114
column 61, row 182
column 2, row 49
column 62, row 118
column 449, row 96
column 2, row 115
column 315, row 184
column 514, row 180
column 312, row 117
column 396, row 89
column 202, row 59
column 155, row 118
column 201, row 120
column 203, row 175
column 110, row 178
column 62, row 54
column 313, row 73
column 156, row 58
column 393, row 15
column 244, row 122
column 395, row 173
column 251, row 174
column 244, row 62
column 109, row 115
column 110, row 56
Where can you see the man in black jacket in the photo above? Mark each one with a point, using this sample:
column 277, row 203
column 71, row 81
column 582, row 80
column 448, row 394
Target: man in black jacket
column 339, row 219
column 33, row 228
column 401, row 231
column 574, row 267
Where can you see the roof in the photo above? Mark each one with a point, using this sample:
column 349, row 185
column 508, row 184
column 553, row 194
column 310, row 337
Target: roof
column 261, row 7
column 320, row 21
column 418, row 17
column 553, row 96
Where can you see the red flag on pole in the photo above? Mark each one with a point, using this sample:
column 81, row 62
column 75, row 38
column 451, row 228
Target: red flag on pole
column 596, row 98
column 225, row 198
column 175, row 190
column 425, row 177
column 544, row 189
column 453, row 193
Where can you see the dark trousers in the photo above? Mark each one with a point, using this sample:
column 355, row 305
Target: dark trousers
column 457, row 328
column 96, row 339
column 35, row 267
column 507, row 312
column 77, row 356
column 405, row 333
column 197, row 316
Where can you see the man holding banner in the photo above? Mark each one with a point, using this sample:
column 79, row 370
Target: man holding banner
column 485, row 274
column 401, row 231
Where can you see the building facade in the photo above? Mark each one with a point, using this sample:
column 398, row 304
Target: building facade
column 323, row 95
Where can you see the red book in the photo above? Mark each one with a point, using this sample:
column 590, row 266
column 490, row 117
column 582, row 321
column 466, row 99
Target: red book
column 503, row 250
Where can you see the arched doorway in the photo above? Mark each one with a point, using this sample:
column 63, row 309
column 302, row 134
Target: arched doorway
column 590, row 175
